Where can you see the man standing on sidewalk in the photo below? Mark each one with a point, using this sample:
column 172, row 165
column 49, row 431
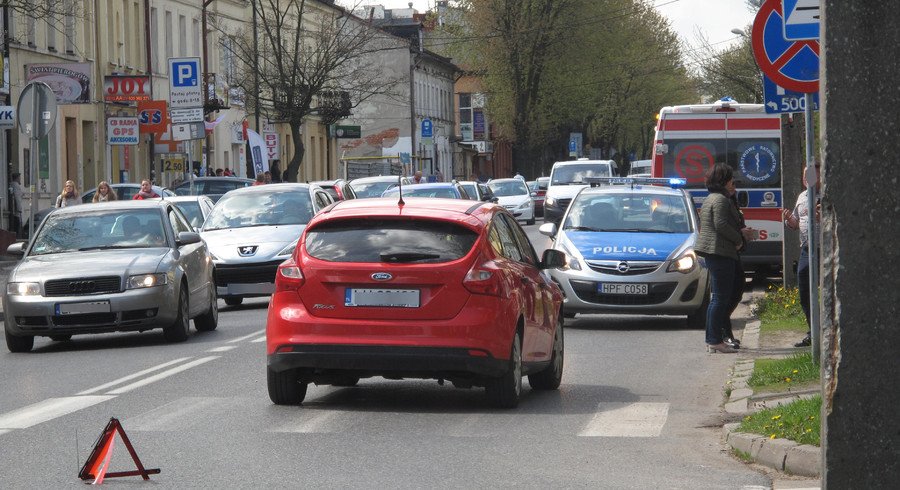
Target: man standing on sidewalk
column 798, row 218
column 15, row 204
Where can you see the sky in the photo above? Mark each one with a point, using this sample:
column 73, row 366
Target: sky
column 715, row 18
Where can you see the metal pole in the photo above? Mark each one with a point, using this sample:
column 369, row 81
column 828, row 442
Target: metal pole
column 205, row 84
column 32, row 156
column 813, row 243
column 255, row 68
column 412, row 112
column 148, row 44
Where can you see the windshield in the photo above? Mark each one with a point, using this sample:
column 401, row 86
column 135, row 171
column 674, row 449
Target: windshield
column 506, row 188
column 445, row 192
column 371, row 189
column 116, row 228
column 648, row 213
column 576, row 173
column 260, row 209
column 470, row 189
column 191, row 210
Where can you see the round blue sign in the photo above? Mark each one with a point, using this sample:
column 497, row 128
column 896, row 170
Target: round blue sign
column 758, row 163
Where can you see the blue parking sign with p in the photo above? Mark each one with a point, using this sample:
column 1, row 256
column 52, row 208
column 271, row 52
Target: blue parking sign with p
column 184, row 73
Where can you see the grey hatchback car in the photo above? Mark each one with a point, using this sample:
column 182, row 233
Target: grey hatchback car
column 110, row 267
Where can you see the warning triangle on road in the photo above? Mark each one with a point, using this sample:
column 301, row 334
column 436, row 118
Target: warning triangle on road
column 97, row 465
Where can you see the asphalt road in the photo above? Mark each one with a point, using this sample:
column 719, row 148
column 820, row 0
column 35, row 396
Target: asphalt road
column 638, row 408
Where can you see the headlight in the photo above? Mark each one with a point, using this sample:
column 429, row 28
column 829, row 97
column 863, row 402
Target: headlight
column 525, row 205
column 23, row 289
column 549, row 201
column 213, row 256
column 146, row 281
column 290, row 248
column 572, row 261
column 684, row 264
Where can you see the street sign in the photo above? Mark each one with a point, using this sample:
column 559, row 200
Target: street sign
column 180, row 116
column 188, row 131
column 350, row 132
column 173, row 162
column 778, row 100
column 575, row 141
column 122, row 130
column 185, row 88
column 43, row 114
column 152, row 114
column 793, row 65
column 427, row 128
column 7, row 117
column 801, row 19
column 272, row 145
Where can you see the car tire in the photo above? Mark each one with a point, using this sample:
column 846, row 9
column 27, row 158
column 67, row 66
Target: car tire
column 61, row 338
column 551, row 377
column 285, row 387
column 209, row 320
column 697, row 319
column 504, row 391
column 179, row 329
column 233, row 300
column 530, row 222
column 19, row 343
column 347, row 382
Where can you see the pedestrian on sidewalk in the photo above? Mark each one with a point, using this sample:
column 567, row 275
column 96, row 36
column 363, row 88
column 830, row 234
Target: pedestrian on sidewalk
column 68, row 196
column 104, row 193
column 16, row 192
column 146, row 191
column 721, row 238
column 798, row 219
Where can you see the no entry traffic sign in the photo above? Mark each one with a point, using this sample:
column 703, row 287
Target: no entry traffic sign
column 792, row 64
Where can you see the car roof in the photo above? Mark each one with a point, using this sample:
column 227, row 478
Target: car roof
column 268, row 188
column 202, row 179
column 506, row 180
column 474, row 213
column 123, row 204
column 378, row 178
column 187, row 198
column 327, row 182
column 636, row 189
column 430, row 185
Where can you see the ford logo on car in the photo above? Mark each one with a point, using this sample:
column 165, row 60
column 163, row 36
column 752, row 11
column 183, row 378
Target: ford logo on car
column 382, row 276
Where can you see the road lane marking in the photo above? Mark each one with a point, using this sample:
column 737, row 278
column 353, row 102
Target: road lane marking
column 224, row 348
column 261, row 339
column 48, row 409
column 317, row 424
column 627, row 420
column 4, row 431
column 162, row 375
column 245, row 337
column 132, row 376
column 173, row 415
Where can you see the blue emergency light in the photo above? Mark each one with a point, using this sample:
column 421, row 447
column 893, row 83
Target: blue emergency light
column 673, row 182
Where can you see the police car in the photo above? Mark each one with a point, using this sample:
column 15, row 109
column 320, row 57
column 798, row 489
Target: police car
column 630, row 248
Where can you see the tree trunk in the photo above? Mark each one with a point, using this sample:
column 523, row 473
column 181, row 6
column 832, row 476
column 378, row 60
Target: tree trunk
column 293, row 168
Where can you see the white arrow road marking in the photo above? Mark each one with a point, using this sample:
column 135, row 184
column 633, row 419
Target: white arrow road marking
column 48, row 409
column 627, row 420
column 224, row 348
column 162, row 375
column 132, row 376
column 261, row 339
column 245, row 337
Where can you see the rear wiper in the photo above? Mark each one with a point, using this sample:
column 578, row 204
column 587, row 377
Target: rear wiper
column 407, row 257
column 581, row 228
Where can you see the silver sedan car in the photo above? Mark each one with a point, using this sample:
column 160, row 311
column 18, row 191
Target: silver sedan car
column 110, row 267
column 252, row 230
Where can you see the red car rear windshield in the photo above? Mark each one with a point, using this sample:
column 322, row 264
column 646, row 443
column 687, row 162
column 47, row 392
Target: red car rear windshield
column 392, row 241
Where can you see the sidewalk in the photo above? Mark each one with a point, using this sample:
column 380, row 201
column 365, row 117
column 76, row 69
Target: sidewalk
column 799, row 464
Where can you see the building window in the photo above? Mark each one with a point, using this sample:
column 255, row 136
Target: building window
column 465, row 116
column 182, row 38
column 30, row 31
column 154, row 36
column 138, row 28
column 69, row 27
column 110, row 32
column 170, row 50
column 195, row 29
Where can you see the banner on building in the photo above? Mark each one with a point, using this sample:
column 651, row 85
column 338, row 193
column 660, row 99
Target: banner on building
column 153, row 116
column 257, row 152
column 122, row 130
column 272, row 145
column 71, row 82
column 126, row 88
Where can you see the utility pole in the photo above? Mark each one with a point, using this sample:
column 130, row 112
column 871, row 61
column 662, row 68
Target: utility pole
column 148, row 45
column 205, row 82
column 256, row 127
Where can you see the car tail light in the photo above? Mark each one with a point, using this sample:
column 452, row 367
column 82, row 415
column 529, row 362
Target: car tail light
column 289, row 276
column 484, row 278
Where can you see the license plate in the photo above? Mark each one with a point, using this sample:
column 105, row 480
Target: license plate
column 81, row 308
column 392, row 298
column 623, row 288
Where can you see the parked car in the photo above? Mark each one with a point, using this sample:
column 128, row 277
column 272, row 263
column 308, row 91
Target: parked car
column 539, row 192
column 194, row 208
column 110, row 267
column 338, row 189
column 630, row 249
column 124, row 191
column 252, row 230
column 375, row 186
column 211, row 187
column 447, row 190
column 515, row 197
column 478, row 191
column 431, row 288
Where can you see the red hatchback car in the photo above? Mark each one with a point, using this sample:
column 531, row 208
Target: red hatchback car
column 427, row 288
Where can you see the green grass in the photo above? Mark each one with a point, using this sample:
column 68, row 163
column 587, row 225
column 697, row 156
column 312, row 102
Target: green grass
column 799, row 421
column 780, row 310
column 783, row 374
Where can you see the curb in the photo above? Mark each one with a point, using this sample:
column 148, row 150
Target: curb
column 780, row 454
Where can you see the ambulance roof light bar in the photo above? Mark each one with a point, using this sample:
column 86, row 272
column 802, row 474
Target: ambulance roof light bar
column 674, row 183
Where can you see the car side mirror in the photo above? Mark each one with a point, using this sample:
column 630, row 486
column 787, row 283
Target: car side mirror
column 534, row 194
column 187, row 238
column 495, row 200
column 548, row 229
column 17, row 249
column 553, row 259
